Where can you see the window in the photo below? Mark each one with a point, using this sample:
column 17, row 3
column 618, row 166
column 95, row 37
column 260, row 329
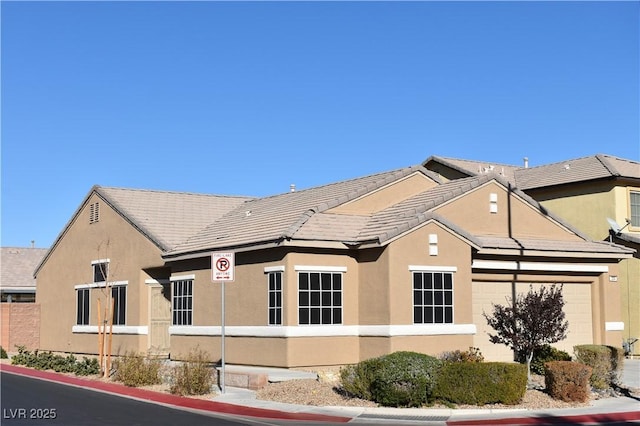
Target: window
column 82, row 306
column 275, row 298
column 183, row 302
column 119, row 294
column 634, row 201
column 432, row 298
column 319, row 298
column 100, row 271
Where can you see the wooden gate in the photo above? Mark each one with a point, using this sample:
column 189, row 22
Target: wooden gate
column 159, row 319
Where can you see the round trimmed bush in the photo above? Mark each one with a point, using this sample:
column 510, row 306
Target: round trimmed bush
column 404, row 379
column 400, row 379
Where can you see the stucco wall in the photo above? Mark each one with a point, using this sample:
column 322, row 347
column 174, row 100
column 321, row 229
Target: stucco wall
column 69, row 265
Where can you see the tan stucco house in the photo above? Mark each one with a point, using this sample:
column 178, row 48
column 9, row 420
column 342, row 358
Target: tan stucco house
column 599, row 195
column 399, row 260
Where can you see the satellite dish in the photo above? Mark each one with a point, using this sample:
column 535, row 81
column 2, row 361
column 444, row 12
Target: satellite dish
column 613, row 225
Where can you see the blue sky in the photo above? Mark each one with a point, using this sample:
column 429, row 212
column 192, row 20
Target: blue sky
column 246, row 98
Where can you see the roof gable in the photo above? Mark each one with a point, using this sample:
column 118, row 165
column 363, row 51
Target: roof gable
column 166, row 218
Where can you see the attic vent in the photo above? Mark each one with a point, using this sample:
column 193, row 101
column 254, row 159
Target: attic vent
column 94, row 212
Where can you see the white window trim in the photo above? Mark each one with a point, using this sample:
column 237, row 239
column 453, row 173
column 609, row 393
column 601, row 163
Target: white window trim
column 537, row 266
column 95, row 262
column 313, row 268
column 101, row 284
column 268, row 269
column 330, row 269
column 327, row 330
column 117, row 329
column 183, row 277
column 191, row 278
column 614, row 326
column 428, row 268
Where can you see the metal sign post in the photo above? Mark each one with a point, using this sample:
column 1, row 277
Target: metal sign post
column 222, row 269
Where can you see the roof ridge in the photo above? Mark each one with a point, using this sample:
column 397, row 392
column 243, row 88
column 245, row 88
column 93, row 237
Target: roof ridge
column 160, row 191
column 473, row 161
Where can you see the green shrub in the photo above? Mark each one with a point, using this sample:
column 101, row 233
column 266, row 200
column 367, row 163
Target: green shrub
column 567, row 380
column 545, row 354
column 606, row 362
column 471, row 355
column 400, row 379
column 135, row 370
column 356, row 379
column 88, row 367
column 58, row 363
column 194, row 376
column 3, row 353
column 481, row 383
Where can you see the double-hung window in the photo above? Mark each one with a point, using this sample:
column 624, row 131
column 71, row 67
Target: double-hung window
column 182, row 303
column 275, row 297
column 319, row 297
column 119, row 294
column 432, row 297
column 82, row 306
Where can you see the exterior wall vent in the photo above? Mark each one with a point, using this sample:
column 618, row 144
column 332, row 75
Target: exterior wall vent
column 94, row 212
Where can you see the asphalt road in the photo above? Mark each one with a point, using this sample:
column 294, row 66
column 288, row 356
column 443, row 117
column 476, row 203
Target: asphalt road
column 27, row 401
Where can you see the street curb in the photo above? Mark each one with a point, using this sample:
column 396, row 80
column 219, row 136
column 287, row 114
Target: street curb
column 171, row 400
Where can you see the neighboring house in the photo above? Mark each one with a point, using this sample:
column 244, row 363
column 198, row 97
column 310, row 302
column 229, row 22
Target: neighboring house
column 600, row 195
column 17, row 283
column 20, row 315
column 324, row 276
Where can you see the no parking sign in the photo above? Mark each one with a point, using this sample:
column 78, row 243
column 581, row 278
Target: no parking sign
column 222, row 266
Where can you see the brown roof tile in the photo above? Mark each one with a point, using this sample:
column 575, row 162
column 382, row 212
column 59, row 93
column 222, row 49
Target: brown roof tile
column 18, row 265
column 551, row 245
column 281, row 216
column 576, row 170
column 169, row 218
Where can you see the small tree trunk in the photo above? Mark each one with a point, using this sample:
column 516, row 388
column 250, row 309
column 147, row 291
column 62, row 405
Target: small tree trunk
column 529, row 358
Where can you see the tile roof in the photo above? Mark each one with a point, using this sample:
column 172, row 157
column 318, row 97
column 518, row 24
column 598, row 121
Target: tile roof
column 576, row 170
column 307, row 215
column 278, row 217
column 169, row 218
column 473, row 168
column 17, row 266
column 551, row 245
column 569, row 171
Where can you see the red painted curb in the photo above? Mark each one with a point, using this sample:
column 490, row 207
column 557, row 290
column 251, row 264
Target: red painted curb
column 160, row 398
column 599, row 418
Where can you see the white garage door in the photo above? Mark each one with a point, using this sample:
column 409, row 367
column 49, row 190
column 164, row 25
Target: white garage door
column 577, row 309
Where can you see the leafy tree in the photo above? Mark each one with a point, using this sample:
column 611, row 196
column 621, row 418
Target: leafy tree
column 531, row 321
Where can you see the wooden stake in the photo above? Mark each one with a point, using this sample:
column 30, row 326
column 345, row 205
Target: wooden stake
column 100, row 336
column 108, row 371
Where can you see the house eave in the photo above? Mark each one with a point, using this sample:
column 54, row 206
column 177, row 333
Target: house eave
column 557, row 254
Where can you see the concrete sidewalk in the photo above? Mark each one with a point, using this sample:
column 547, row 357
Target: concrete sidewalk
column 243, row 402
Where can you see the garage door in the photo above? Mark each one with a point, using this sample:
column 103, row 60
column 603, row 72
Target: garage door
column 577, row 309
